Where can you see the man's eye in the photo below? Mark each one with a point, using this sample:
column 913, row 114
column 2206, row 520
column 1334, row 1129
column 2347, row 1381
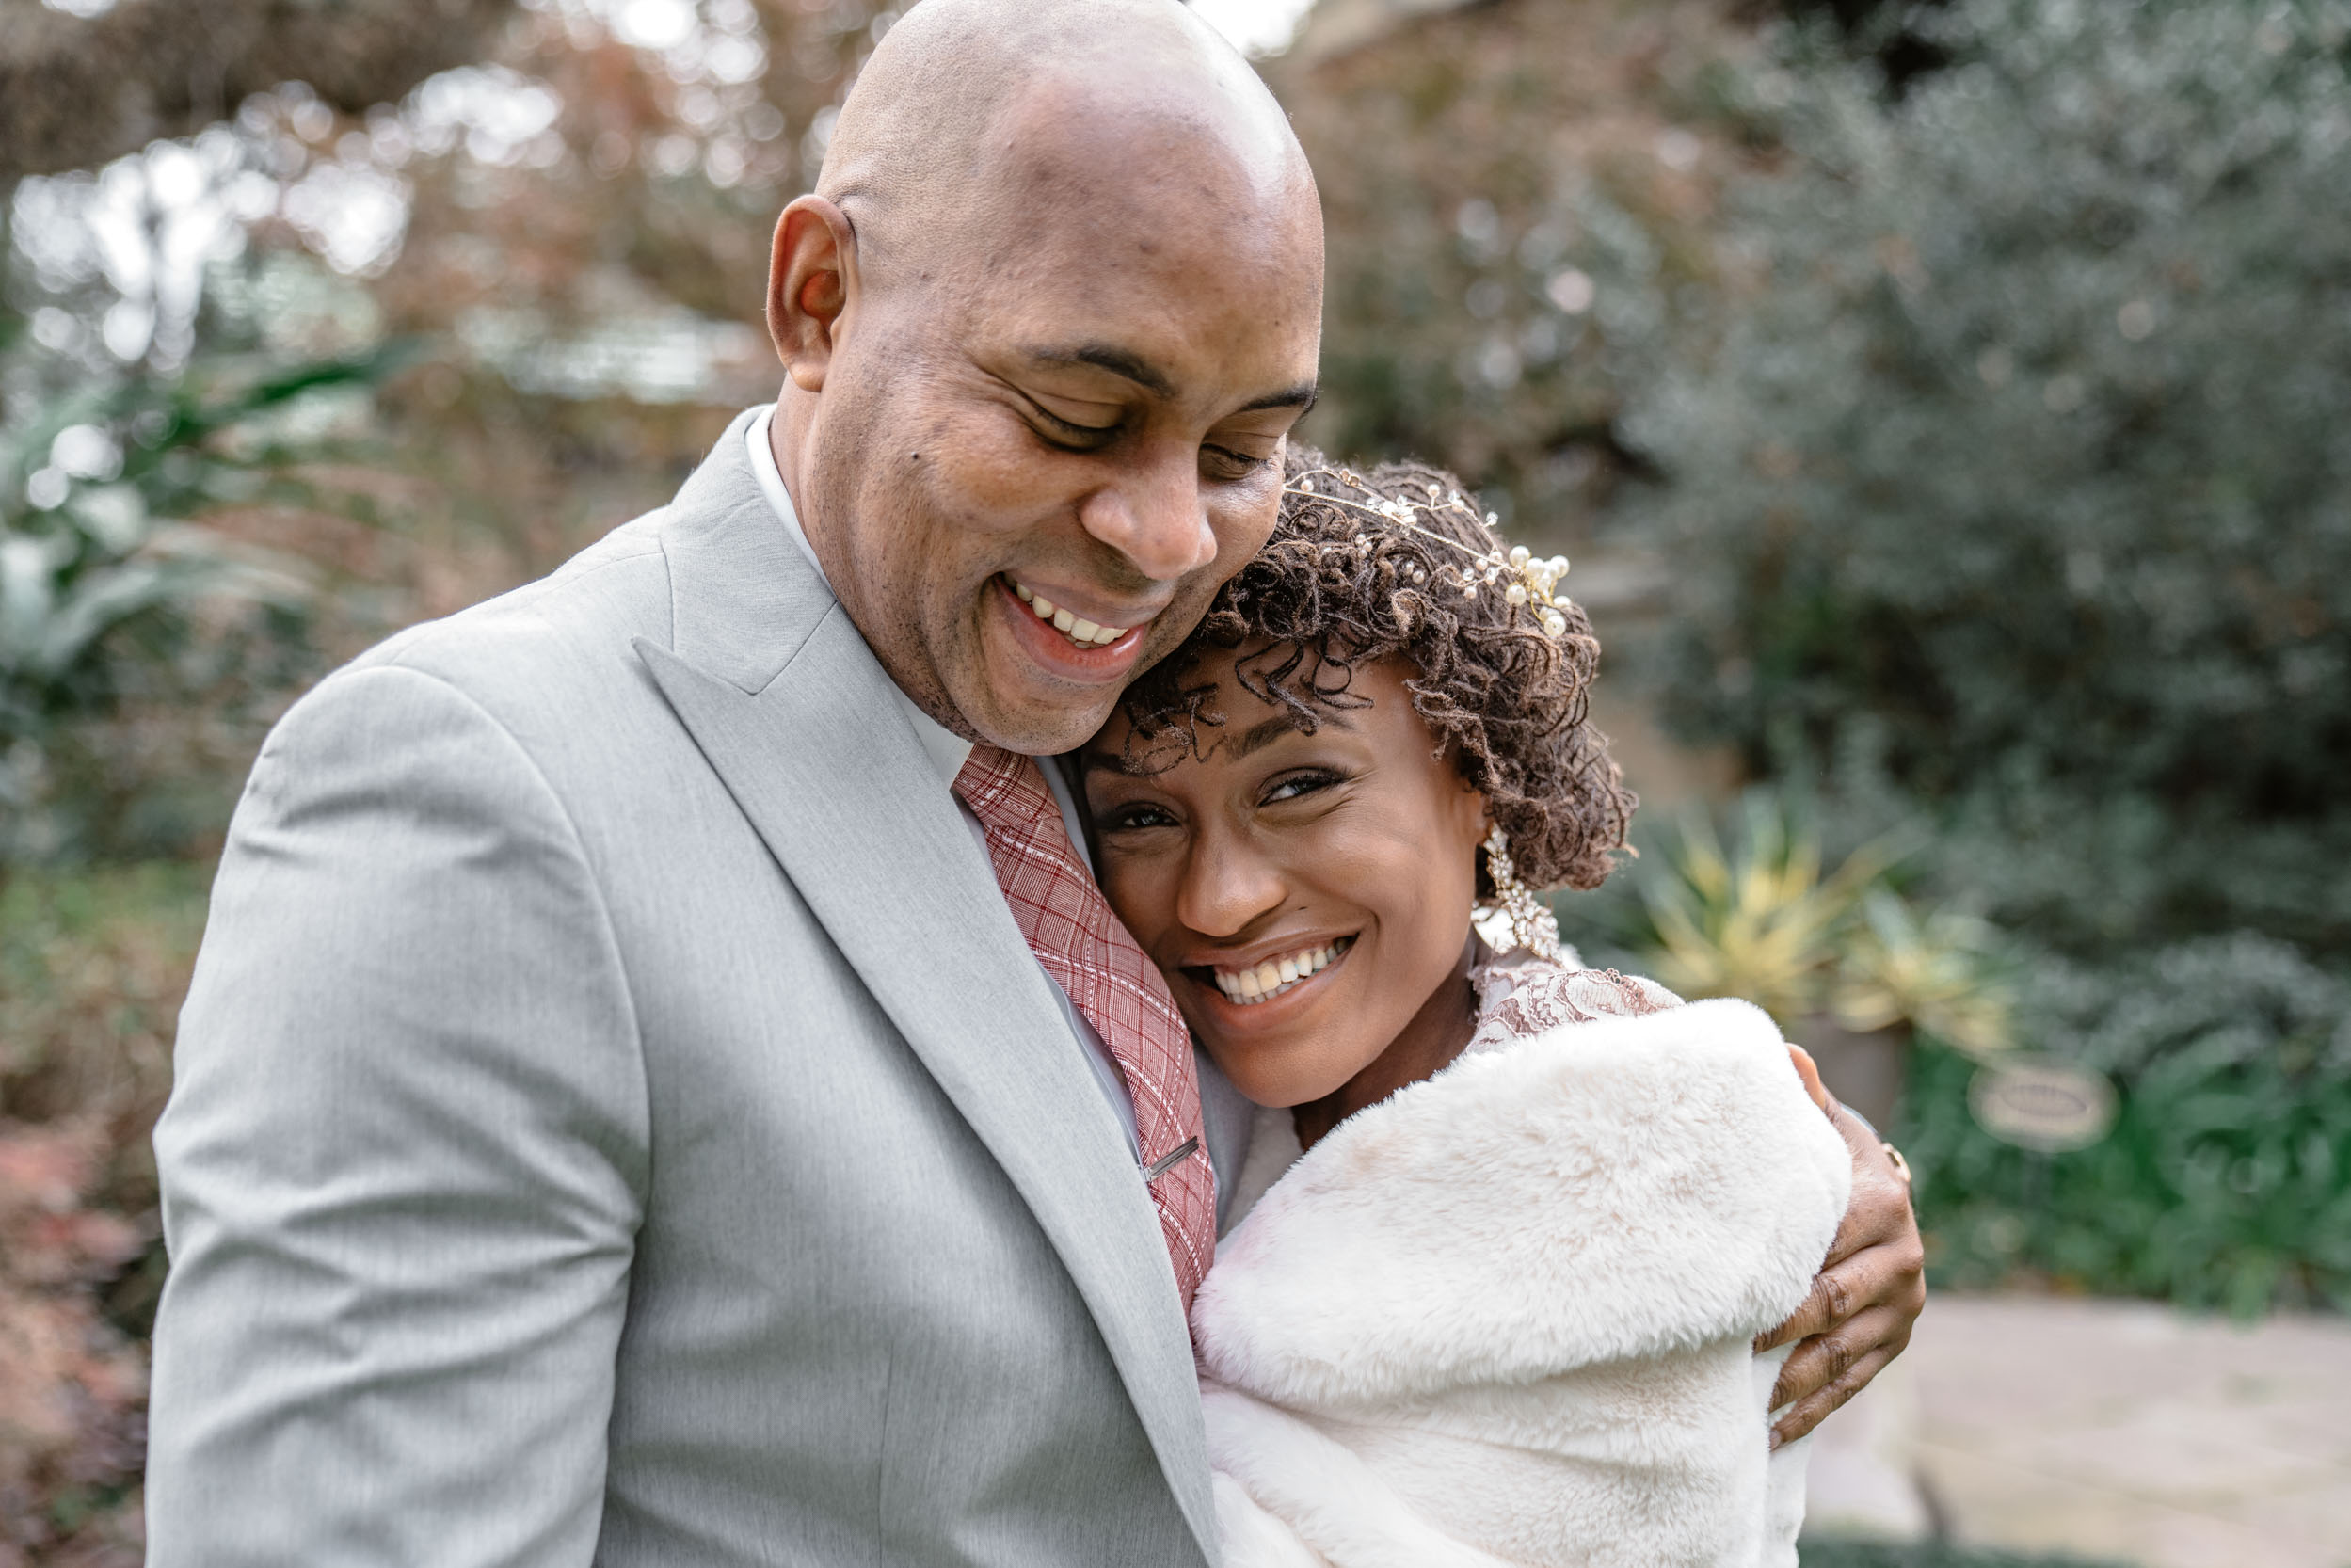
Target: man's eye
column 1223, row 462
column 1069, row 433
column 1128, row 817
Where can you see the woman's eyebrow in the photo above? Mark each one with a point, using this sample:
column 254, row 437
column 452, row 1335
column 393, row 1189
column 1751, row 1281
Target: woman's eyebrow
column 1255, row 738
column 1265, row 732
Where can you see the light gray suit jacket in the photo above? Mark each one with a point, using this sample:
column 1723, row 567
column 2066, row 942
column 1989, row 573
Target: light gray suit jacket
column 617, row 1120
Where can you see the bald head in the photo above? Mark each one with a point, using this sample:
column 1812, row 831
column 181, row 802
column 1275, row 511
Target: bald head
column 1047, row 319
column 973, row 115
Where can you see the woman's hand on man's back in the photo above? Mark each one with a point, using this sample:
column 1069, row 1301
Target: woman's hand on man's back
column 1870, row 1293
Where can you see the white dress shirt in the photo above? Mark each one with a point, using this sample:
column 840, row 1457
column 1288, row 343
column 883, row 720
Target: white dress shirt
column 948, row 751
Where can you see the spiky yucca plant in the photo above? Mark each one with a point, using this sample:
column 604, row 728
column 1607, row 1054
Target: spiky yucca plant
column 1761, row 920
column 1937, row 973
column 1757, row 921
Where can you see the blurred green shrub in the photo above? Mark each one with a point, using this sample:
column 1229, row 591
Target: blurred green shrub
column 2014, row 473
column 2224, row 1181
column 96, row 551
column 112, row 588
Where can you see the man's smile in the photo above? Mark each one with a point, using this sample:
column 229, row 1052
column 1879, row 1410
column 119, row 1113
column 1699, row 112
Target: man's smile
column 1107, row 654
column 1079, row 630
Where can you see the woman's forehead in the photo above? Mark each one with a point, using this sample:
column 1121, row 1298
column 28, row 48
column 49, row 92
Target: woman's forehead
column 1249, row 696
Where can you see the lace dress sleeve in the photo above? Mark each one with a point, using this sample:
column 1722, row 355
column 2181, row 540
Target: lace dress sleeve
column 1519, row 999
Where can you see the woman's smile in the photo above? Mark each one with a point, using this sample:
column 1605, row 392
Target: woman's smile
column 1285, row 973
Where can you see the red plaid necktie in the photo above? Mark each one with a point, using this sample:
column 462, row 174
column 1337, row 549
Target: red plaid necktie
column 1070, row 928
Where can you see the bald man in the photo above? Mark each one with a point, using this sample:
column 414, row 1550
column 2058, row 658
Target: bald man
column 628, row 1111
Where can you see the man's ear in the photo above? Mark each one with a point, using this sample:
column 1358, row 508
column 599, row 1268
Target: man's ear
column 811, row 279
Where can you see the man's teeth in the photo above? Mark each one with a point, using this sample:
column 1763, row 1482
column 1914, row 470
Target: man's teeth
column 1275, row 975
column 1077, row 630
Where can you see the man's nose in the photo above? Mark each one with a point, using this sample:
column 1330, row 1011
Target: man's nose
column 1226, row 887
column 1153, row 516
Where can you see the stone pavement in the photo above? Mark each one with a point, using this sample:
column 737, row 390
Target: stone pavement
column 2115, row 1430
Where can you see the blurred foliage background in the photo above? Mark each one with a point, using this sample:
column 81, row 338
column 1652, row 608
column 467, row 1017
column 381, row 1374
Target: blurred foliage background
column 1942, row 404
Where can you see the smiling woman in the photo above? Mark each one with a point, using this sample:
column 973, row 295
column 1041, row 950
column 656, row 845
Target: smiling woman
column 1350, row 724
column 1560, row 1203
column 1306, row 890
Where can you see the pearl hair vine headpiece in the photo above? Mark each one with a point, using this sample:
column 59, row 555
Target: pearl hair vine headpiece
column 1523, row 579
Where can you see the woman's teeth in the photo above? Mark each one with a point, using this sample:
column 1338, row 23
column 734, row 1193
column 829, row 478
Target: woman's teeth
column 1083, row 633
column 1275, row 975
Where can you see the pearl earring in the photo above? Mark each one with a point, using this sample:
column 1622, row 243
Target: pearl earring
column 1532, row 921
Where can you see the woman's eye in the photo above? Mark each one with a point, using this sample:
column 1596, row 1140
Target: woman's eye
column 1293, row 786
column 1128, row 817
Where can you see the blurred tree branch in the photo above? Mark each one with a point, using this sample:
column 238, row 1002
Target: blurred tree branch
column 76, row 92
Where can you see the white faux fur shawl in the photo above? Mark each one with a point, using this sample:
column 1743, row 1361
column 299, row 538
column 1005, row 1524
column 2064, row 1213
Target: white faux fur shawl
column 1505, row 1316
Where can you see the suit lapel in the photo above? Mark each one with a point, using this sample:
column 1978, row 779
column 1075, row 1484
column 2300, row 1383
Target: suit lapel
column 798, row 719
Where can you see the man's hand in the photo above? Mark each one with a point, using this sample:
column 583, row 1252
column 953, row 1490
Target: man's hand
column 1870, row 1293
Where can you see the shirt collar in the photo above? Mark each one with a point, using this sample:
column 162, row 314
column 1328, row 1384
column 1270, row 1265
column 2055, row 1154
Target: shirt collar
column 946, row 749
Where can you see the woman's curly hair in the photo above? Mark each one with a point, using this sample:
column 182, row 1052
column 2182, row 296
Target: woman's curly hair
column 1335, row 588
